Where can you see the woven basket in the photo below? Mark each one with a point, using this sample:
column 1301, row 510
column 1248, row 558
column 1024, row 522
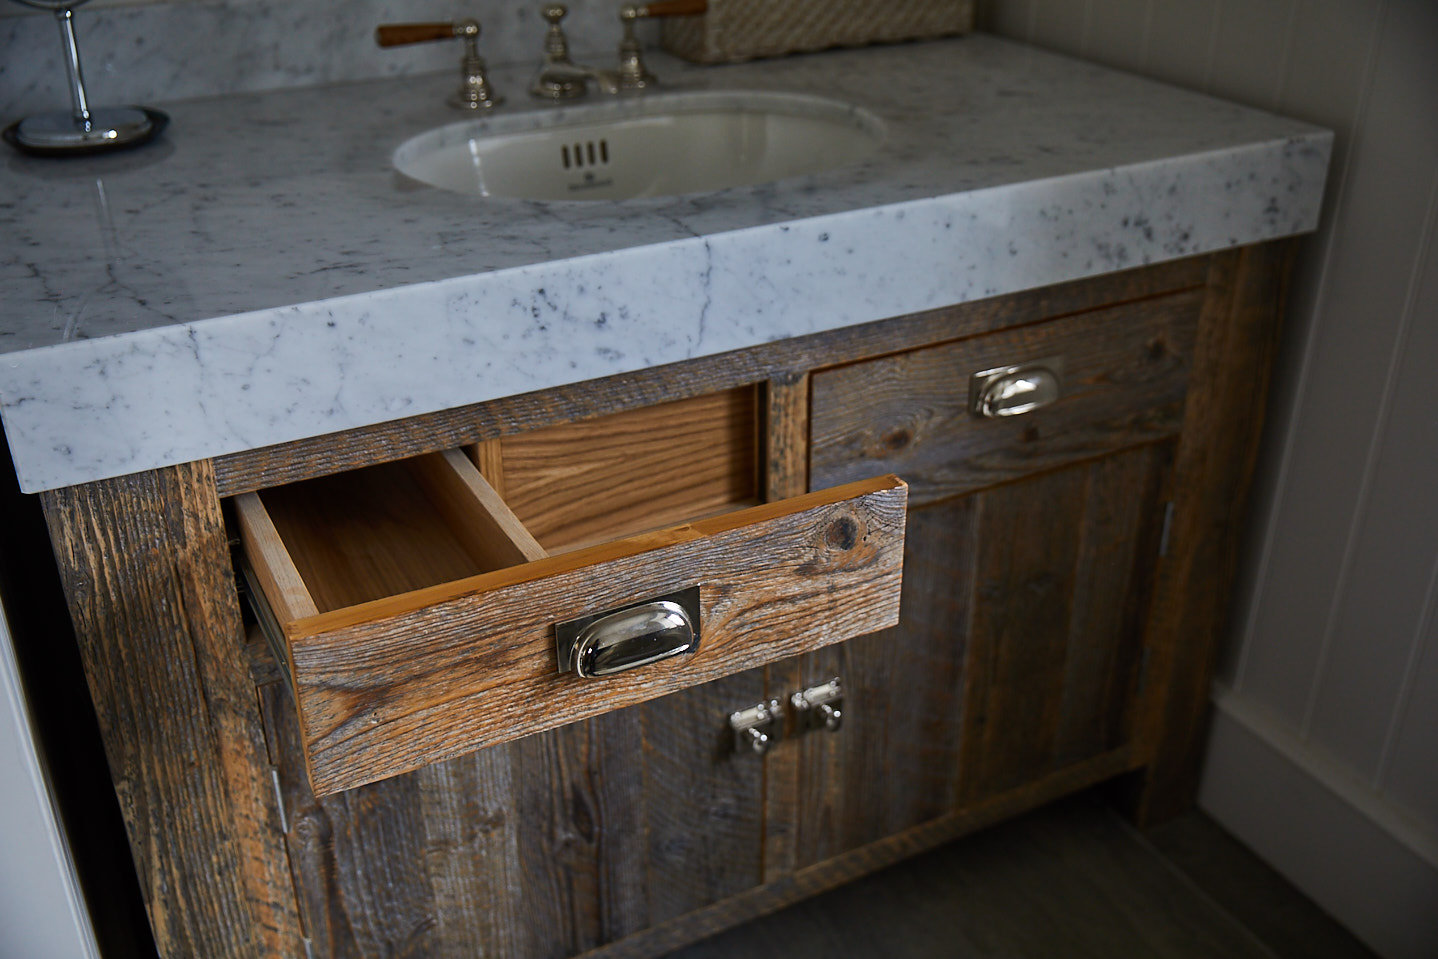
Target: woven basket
column 735, row 30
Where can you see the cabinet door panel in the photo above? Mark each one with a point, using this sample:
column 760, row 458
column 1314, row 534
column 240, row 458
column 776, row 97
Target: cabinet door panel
column 1064, row 563
column 1015, row 656
column 548, row 846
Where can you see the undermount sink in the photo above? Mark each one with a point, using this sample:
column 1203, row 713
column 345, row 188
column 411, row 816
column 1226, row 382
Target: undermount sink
column 655, row 145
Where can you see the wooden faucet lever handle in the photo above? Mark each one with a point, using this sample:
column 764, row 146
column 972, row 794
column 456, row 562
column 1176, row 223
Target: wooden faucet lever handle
column 674, row 8
column 399, row 34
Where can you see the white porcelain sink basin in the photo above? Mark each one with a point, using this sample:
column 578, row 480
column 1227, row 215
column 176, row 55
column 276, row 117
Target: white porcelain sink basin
column 655, row 145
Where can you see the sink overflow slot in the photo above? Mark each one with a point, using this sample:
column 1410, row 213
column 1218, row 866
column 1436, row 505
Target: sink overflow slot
column 585, row 154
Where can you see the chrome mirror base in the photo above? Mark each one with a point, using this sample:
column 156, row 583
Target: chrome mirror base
column 61, row 134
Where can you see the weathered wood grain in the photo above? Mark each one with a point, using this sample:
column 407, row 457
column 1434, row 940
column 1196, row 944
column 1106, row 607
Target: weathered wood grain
column 1213, row 467
column 576, row 484
column 1058, row 598
column 1119, row 541
column 362, row 536
column 302, row 459
column 786, row 474
column 488, row 457
column 843, row 868
column 146, row 570
column 474, row 510
column 894, row 763
column 388, row 686
column 1124, row 381
column 704, row 800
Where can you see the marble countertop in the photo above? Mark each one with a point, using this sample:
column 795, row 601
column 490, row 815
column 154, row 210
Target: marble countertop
column 261, row 274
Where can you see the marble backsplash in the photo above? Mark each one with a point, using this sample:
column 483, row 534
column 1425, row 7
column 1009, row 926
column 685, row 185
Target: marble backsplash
column 149, row 53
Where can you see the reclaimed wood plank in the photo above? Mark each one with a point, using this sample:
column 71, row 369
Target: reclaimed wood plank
column 786, row 474
column 1213, row 469
column 1126, row 370
column 703, row 799
column 145, row 564
column 1022, row 605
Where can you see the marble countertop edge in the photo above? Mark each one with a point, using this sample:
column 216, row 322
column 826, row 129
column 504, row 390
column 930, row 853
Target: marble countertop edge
column 96, row 409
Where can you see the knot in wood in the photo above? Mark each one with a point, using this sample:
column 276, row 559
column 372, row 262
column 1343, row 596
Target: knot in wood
column 842, row 534
column 896, row 440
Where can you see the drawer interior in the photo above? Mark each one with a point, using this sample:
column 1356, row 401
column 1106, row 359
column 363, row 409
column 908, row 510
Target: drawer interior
column 338, row 541
column 582, row 483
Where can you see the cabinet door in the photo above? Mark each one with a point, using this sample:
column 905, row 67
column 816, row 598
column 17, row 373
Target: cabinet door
column 546, row 847
column 1028, row 565
column 1016, row 657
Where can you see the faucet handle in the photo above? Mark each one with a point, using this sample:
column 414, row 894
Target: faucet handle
column 474, row 92
column 632, row 74
column 403, row 34
column 674, row 8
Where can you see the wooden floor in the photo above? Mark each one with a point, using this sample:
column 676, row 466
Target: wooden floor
column 1073, row 879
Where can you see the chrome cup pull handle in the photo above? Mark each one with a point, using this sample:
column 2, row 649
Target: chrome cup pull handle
column 632, row 636
column 1015, row 390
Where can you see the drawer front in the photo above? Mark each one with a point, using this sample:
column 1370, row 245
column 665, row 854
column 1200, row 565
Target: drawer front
column 394, row 684
column 1124, row 375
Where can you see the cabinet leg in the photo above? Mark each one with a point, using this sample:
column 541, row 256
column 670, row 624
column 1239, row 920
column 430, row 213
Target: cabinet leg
column 1223, row 423
column 146, row 569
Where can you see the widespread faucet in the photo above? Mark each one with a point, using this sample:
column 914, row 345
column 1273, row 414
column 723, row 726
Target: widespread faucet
column 560, row 78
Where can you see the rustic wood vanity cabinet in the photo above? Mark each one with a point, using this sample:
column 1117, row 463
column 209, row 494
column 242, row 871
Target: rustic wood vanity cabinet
column 1065, row 576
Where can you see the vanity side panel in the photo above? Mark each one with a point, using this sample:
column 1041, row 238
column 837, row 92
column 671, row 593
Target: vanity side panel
column 1213, row 468
column 146, row 569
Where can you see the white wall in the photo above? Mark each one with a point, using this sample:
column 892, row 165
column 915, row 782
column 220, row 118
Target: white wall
column 42, row 915
column 1324, row 756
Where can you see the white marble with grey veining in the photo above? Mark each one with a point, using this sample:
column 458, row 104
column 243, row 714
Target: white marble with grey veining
column 217, row 293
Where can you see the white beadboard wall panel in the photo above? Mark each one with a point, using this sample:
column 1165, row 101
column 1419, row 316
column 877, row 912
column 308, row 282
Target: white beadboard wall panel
column 1251, row 46
column 1378, row 224
column 1410, row 769
column 1013, row 18
column 1180, row 41
column 1061, row 24
column 1378, row 618
column 1330, row 60
column 1118, row 33
column 1333, row 42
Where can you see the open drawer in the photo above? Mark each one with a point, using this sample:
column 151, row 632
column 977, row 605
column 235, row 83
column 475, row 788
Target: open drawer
column 416, row 616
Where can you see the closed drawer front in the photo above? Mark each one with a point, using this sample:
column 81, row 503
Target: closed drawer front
column 417, row 615
column 1123, row 376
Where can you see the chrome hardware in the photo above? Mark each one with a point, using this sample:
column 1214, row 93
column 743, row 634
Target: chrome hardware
column 630, row 636
column 474, row 91
column 819, row 707
column 632, row 74
column 757, row 727
column 1015, row 390
column 559, row 78
column 84, row 128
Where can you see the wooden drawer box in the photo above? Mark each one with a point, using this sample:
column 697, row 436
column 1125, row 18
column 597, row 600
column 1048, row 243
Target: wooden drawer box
column 1124, row 376
column 416, row 612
